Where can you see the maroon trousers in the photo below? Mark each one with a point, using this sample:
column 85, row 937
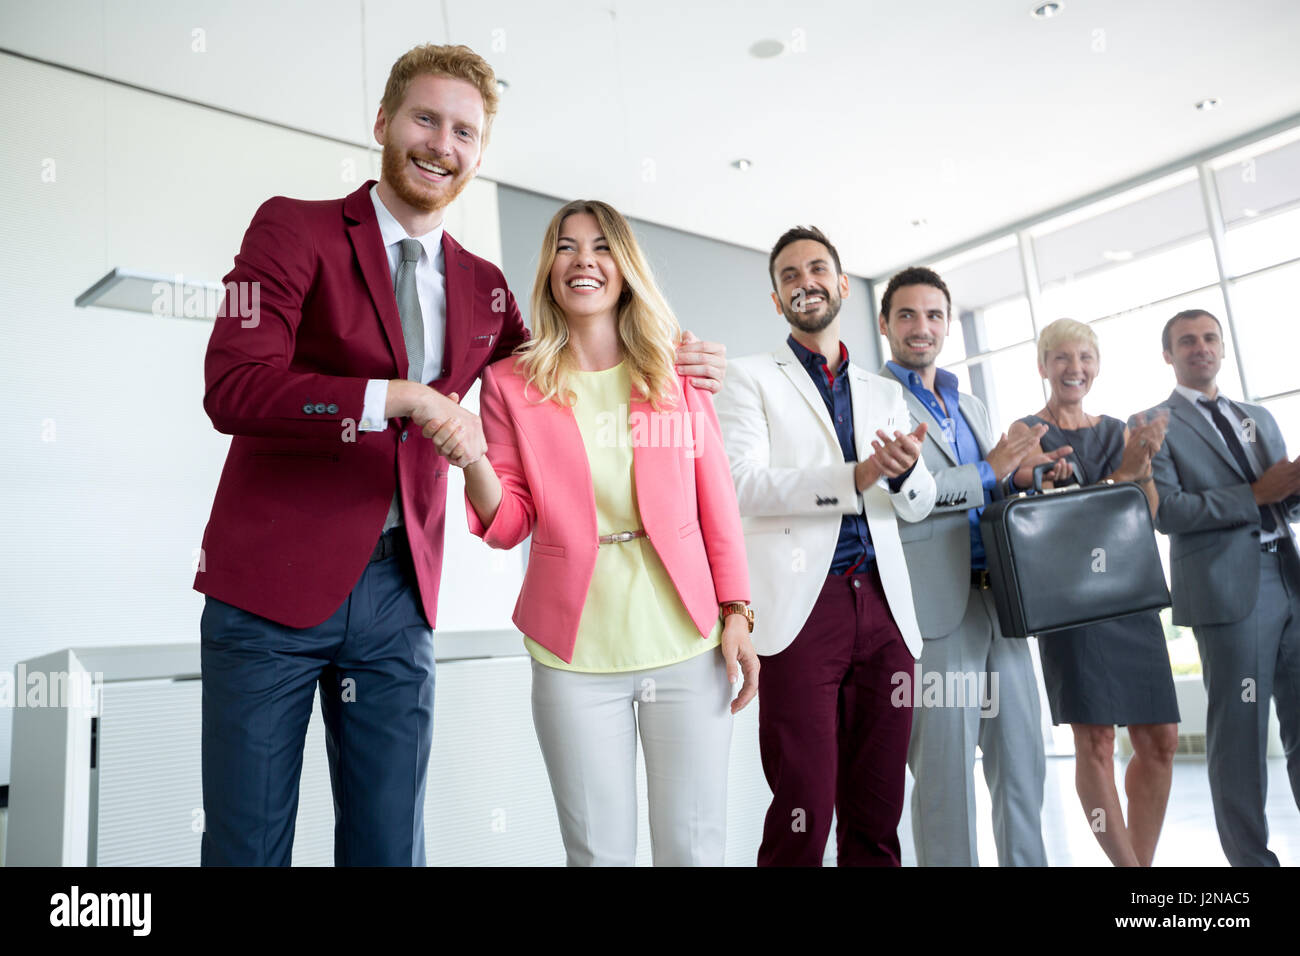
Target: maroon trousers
column 829, row 737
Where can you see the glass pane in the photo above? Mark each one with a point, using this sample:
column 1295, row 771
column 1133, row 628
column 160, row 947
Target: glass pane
column 1129, row 284
column 1114, row 231
column 1256, row 243
column 1286, row 411
column 1259, row 179
column 1134, row 375
column 1012, row 384
column 1267, row 315
column 1007, row 323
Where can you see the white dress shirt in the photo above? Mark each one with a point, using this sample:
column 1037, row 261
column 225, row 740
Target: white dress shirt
column 1251, row 447
column 430, row 289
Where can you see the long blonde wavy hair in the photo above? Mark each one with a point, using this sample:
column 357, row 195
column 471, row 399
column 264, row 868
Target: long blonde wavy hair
column 647, row 328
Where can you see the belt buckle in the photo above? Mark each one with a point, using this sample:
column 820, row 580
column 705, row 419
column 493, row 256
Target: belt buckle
column 981, row 580
column 620, row 536
column 1270, row 547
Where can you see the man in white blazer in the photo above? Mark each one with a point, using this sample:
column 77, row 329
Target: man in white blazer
column 823, row 468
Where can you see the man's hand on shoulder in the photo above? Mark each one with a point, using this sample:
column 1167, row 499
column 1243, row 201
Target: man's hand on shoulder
column 705, row 363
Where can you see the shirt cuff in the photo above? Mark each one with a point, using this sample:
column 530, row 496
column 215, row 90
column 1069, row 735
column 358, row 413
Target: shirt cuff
column 987, row 478
column 896, row 484
column 373, row 405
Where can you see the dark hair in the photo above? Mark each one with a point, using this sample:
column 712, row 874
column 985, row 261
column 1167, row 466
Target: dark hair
column 794, row 235
column 913, row 275
column 1166, row 334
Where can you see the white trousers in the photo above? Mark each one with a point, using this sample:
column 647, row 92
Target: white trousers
column 587, row 727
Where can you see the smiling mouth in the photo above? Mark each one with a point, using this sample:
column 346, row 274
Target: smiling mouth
column 920, row 344
column 433, row 172
column 585, row 284
column 1072, row 382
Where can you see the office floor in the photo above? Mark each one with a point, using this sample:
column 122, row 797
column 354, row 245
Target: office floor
column 1188, row 838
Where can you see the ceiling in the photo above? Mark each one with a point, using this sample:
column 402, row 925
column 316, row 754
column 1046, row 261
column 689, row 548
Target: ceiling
column 967, row 114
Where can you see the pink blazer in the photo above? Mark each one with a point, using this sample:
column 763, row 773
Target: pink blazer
column 684, row 492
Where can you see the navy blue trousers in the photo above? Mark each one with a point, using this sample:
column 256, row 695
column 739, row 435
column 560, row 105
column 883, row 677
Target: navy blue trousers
column 373, row 662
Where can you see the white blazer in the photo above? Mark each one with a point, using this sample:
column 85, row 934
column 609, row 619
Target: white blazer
column 793, row 487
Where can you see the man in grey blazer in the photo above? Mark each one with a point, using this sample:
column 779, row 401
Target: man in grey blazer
column 963, row 646
column 1227, row 495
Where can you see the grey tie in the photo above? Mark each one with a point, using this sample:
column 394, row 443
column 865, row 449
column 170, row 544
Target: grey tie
column 408, row 307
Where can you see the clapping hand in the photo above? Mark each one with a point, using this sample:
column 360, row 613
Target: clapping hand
column 890, row 457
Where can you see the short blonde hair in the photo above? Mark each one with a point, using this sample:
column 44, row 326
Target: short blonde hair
column 647, row 328
column 458, row 62
column 1060, row 332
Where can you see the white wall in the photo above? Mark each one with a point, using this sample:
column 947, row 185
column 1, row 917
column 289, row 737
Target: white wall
column 109, row 463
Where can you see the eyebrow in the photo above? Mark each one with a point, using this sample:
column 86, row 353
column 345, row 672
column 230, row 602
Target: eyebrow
column 571, row 239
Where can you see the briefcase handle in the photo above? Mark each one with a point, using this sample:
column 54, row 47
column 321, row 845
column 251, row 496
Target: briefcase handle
column 1044, row 468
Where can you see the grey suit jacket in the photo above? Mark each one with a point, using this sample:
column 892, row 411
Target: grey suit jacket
column 1209, row 513
column 937, row 550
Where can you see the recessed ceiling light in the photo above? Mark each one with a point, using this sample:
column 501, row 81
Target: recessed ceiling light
column 1206, row 105
column 1248, row 212
column 1117, row 255
column 766, row 49
column 919, row 222
column 743, row 165
column 1045, row 11
column 502, row 85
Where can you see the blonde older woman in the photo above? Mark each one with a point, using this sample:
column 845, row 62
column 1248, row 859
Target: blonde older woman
column 1115, row 672
column 634, row 605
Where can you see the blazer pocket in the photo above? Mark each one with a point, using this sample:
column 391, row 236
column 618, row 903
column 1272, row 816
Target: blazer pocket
column 691, row 527
column 554, row 551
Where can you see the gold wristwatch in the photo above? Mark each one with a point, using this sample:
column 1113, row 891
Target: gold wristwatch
column 738, row 607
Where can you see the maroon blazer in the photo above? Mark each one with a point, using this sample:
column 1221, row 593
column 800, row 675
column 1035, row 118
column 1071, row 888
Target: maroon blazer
column 304, row 492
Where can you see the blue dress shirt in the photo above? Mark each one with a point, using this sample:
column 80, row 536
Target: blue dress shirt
column 957, row 433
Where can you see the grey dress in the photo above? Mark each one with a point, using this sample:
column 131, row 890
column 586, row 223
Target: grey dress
column 1114, row 672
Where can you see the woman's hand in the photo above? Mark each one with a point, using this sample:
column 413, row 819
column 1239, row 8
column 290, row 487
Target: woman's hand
column 741, row 658
column 1141, row 442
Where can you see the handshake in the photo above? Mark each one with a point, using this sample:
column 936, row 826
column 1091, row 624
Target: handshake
column 456, row 432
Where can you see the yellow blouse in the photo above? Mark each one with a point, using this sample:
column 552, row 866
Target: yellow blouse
column 634, row 618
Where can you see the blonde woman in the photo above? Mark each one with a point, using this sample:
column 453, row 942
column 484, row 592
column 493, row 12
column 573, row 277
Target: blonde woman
column 1115, row 672
column 634, row 606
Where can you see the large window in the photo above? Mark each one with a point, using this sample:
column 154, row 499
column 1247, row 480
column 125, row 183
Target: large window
column 1221, row 235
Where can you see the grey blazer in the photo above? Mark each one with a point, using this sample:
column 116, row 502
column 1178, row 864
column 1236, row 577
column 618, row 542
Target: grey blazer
column 1209, row 513
column 937, row 549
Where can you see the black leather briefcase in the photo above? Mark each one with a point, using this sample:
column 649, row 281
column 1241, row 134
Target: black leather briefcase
column 1071, row 556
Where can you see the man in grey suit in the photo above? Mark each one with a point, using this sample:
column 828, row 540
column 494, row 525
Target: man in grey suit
column 1227, row 495
column 963, row 646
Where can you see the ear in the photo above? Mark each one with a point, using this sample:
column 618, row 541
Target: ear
column 884, row 326
column 1169, row 358
column 381, row 126
column 844, row 286
column 1042, row 372
column 777, row 302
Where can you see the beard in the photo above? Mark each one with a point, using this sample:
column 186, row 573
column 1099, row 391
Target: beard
column 812, row 324
column 394, row 163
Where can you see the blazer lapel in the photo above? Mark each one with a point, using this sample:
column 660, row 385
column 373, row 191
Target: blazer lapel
column 368, row 246
column 794, row 370
column 1189, row 416
column 458, row 266
column 976, row 423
